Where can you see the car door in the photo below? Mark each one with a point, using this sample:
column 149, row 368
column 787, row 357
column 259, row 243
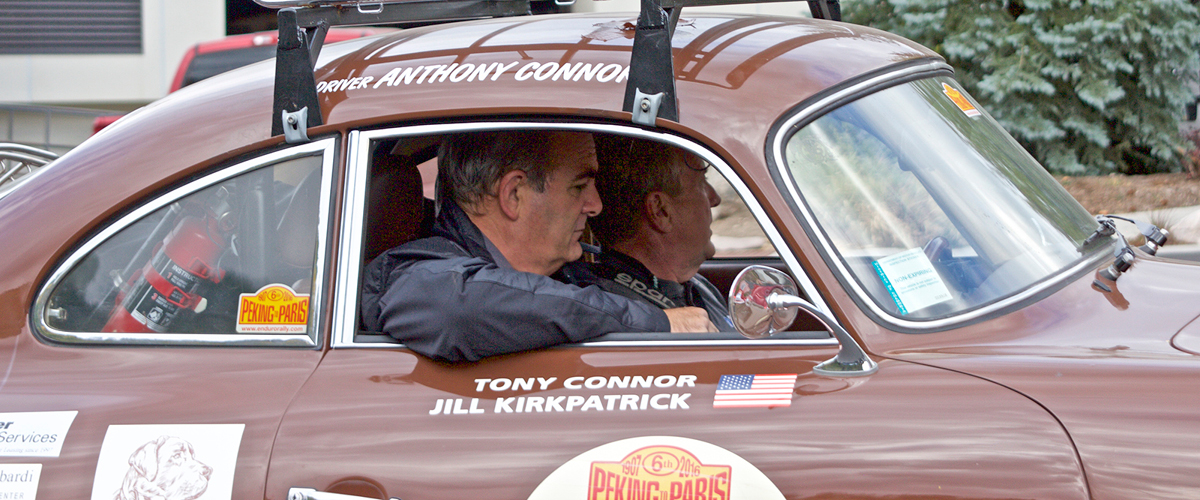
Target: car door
column 644, row 415
column 164, row 350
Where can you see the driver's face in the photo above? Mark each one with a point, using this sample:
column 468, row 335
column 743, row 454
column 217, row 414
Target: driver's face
column 558, row 214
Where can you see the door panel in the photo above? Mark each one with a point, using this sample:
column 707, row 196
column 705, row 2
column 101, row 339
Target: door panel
column 379, row 415
column 202, row 396
column 175, row 336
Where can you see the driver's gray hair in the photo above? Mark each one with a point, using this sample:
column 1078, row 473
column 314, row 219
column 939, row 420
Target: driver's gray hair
column 470, row 165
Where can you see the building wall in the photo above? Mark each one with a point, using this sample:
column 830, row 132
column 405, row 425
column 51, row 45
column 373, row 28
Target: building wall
column 116, row 81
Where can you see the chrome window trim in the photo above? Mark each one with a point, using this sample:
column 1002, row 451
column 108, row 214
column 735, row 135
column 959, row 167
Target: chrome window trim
column 350, row 265
column 328, row 150
column 880, row 82
column 349, row 269
column 829, row 342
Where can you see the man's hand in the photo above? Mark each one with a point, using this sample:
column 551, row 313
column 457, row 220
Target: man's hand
column 689, row 319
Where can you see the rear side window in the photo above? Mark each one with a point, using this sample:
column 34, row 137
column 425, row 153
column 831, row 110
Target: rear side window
column 237, row 256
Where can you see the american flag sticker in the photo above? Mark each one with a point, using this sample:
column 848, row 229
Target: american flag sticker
column 750, row 391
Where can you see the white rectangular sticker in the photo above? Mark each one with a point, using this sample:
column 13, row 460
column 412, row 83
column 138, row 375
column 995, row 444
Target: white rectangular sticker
column 168, row 461
column 19, row 481
column 911, row 280
column 35, row 433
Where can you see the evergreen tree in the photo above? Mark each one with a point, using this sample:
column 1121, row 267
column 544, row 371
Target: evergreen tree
column 1088, row 87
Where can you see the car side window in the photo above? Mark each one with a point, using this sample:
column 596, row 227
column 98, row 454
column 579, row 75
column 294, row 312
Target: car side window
column 736, row 234
column 236, row 256
column 399, row 191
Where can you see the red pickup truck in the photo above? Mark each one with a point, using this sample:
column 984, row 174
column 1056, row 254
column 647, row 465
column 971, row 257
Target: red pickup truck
column 211, row 58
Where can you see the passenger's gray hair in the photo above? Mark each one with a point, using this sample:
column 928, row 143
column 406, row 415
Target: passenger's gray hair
column 631, row 169
column 471, row 164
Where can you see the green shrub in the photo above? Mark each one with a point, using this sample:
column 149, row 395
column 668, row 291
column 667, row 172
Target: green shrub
column 1087, row 87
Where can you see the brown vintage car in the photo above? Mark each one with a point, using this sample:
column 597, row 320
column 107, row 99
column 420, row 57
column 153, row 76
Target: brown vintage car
column 179, row 294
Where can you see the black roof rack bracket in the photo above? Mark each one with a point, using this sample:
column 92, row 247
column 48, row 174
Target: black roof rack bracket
column 651, row 69
column 825, row 9
column 295, row 85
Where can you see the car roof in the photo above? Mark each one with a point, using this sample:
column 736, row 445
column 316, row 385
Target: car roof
column 735, row 76
column 764, row 65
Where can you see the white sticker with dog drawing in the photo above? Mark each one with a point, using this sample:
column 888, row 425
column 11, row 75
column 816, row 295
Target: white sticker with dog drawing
column 168, row 462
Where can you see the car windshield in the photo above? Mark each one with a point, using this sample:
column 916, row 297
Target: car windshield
column 929, row 204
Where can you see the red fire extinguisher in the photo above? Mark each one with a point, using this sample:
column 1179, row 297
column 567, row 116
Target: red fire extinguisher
column 170, row 282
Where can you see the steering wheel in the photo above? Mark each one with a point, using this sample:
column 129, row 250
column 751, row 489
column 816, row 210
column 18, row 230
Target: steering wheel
column 938, row 249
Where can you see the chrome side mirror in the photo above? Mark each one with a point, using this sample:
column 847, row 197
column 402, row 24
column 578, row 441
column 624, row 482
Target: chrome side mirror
column 764, row 301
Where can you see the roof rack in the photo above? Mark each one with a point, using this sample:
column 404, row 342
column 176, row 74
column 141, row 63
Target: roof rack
column 649, row 92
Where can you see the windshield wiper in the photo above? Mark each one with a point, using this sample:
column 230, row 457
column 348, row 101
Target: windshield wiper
column 1107, row 228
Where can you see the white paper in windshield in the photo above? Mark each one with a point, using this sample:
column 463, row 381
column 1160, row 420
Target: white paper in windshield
column 911, row 280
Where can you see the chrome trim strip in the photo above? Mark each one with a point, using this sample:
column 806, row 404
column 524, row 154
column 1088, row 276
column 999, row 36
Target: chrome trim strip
column 750, row 343
column 324, row 208
column 354, row 201
column 328, row 150
column 349, row 268
column 777, row 148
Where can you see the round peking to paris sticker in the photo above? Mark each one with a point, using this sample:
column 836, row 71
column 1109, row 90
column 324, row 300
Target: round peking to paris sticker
column 657, row 468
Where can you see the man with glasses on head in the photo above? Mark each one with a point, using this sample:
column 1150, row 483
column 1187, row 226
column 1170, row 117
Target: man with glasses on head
column 512, row 208
column 655, row 229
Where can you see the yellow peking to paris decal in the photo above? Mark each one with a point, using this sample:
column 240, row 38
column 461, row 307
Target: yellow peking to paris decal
column 273, row 309
column 960, row 100
column 653, row 470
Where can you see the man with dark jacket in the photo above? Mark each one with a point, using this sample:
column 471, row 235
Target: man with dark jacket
column 656, row 227
column 513, row 205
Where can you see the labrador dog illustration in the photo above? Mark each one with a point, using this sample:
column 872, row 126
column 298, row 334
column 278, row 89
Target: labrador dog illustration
column 164, row 469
